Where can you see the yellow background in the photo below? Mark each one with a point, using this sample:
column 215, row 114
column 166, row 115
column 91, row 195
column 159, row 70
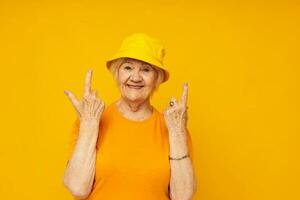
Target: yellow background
column 240, row 58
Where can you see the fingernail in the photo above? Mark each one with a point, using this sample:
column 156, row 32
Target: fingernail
column 66, row 92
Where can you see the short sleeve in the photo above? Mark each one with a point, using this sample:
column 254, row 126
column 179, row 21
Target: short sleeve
column 190, row 145
column 73, row 137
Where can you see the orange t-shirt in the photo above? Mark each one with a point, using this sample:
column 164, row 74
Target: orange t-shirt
column 132, row 160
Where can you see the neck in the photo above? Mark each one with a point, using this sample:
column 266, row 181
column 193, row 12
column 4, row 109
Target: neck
column 136, row 111
column 134, row 107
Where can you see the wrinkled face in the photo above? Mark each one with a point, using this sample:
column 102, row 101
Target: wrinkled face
column 136, row 80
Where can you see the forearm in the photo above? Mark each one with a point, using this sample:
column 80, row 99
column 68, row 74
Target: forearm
column 182, row 180
column 80, row 171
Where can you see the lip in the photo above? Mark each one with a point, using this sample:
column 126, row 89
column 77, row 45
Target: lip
column 135, row 86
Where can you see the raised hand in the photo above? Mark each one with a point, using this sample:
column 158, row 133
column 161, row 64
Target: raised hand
column 176, row 113
column 90, row 108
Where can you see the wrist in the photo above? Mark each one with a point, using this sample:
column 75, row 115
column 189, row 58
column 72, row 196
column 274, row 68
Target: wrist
column 179, row 157
column 89, row 124
column 177, row 131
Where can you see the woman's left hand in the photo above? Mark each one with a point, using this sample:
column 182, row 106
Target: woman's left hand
column 176, row 113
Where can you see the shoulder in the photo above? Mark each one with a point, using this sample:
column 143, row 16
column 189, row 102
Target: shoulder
column 108, row 109
column 108, row 112
column 160, row 116
column 158, row 112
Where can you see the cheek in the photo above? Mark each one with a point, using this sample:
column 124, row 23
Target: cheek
column 122, row 78
column 150, row 80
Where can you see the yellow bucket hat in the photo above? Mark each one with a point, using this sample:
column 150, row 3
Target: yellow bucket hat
column 142, row 47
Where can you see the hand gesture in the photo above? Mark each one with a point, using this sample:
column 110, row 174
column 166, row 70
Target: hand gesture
column 176, row 113
column 90, row 108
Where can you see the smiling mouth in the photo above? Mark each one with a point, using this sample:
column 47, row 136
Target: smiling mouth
column 134, row 86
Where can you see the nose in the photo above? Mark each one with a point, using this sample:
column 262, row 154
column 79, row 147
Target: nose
column 135, row 76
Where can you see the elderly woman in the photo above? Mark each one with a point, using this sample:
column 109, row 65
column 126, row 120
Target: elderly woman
column 128, row 149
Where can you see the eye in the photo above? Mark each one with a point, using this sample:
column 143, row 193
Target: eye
column 127, row 67
column 146, row 69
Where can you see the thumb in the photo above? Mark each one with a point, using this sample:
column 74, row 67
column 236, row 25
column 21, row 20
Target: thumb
column 72, row 98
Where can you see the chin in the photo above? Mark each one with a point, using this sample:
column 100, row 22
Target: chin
column 134, row 96
column 135, row 99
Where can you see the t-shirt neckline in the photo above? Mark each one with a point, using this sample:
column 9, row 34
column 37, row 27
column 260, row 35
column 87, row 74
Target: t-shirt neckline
column 118, row 112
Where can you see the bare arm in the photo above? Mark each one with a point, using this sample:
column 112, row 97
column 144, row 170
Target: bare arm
column 182, row 180
column 80, row 171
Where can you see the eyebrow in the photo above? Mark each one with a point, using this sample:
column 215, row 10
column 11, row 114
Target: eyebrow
column 127, row 61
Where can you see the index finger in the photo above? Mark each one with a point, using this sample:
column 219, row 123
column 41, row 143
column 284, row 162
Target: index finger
column 87, row 87
column 184, row 94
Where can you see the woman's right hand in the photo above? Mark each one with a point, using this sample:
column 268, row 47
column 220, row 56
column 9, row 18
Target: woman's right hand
column 90, row 108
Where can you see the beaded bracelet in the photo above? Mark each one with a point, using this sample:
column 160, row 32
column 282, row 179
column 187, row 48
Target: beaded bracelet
column 187, row 155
